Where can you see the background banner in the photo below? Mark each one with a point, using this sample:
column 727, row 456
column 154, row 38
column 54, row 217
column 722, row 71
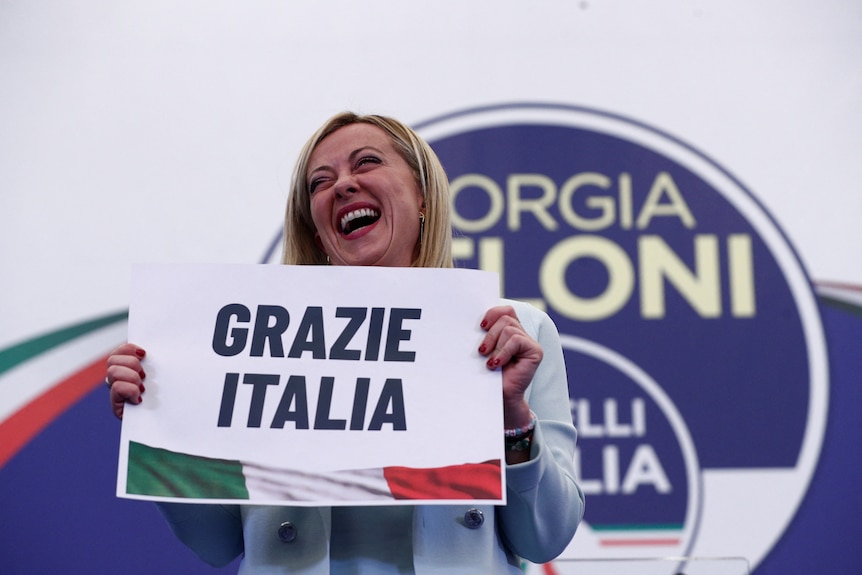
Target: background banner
column 674, row 182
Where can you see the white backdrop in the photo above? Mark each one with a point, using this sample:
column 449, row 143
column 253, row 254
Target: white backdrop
column 163, row 131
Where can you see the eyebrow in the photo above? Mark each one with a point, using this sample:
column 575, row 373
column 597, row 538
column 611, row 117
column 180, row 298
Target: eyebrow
column 351, row 157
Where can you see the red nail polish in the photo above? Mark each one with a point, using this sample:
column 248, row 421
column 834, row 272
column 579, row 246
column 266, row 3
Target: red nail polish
column 484, row 324
column 142, row 374
column 140, row 353
column 496, row 361
column 482, row 349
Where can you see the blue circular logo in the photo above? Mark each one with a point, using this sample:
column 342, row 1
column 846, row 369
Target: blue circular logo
column 697, row 364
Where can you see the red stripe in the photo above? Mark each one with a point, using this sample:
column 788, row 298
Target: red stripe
column 624, row 542
column 839, row 285
column 26, row 423
column 468, row 481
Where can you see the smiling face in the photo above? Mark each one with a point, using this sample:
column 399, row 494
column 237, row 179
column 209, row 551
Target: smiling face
column 364, row 198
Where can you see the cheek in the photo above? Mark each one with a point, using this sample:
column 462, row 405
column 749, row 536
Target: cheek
column 319, row 213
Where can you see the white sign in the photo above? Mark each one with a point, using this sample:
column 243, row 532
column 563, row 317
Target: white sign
column 312, row 385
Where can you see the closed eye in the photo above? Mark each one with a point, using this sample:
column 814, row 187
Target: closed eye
column 314, row 184
column 367, row 160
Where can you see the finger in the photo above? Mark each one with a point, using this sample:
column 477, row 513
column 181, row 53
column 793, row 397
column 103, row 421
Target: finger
column 514, row 345
column 124, row 364
column 125, row 376
column 128, row 361
column 123, row 392
column 504, row 326
column 495, row 313
column 130, row 349
column 131, row 372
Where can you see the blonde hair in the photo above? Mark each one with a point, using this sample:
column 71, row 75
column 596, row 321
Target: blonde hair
column 435, row 250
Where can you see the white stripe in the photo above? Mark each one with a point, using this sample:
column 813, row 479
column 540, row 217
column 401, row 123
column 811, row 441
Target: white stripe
column 27, row 381
column 840, row 293
column 267, row 483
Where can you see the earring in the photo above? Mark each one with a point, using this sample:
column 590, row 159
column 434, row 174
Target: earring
column 421, row 227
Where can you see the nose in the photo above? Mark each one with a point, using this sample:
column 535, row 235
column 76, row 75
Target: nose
column 345, row 186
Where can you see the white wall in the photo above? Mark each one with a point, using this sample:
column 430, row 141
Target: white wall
column 165, row 131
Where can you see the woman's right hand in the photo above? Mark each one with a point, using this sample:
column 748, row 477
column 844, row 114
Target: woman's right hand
column 125, row 377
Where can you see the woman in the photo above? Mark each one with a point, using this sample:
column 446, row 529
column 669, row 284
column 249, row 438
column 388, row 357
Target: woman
column 367, row 190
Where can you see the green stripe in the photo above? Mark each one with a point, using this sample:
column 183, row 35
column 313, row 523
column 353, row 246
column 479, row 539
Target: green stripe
column 841, row 304
column 26, row 350
column 638, row 527
column 163, row 473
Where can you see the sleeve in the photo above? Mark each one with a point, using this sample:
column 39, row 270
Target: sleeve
column 213, row 532
column 544, row 502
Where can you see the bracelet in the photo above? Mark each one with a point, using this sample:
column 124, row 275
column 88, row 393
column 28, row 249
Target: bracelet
column 517, row 432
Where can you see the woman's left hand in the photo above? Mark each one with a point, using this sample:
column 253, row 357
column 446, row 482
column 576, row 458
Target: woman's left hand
column 508, row 346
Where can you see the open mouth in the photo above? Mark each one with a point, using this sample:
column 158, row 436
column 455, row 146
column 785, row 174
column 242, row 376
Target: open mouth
column 352, row 221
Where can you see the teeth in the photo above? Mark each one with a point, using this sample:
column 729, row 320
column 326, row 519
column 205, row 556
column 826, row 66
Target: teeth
column 360, row 213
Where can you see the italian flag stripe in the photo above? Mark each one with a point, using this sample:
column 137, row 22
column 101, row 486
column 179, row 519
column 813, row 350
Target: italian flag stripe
column 154, row 471
column 159, row 472
column 470, row 481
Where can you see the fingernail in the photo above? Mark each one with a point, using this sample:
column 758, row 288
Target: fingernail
column 496, row 361
column 482, row 348
column 484, row 324
column 490, row 363
column 140, row 399
column 142, row 374
column 140, row 353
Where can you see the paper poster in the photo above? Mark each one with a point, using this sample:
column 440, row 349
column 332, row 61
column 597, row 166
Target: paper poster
column 312, row 385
